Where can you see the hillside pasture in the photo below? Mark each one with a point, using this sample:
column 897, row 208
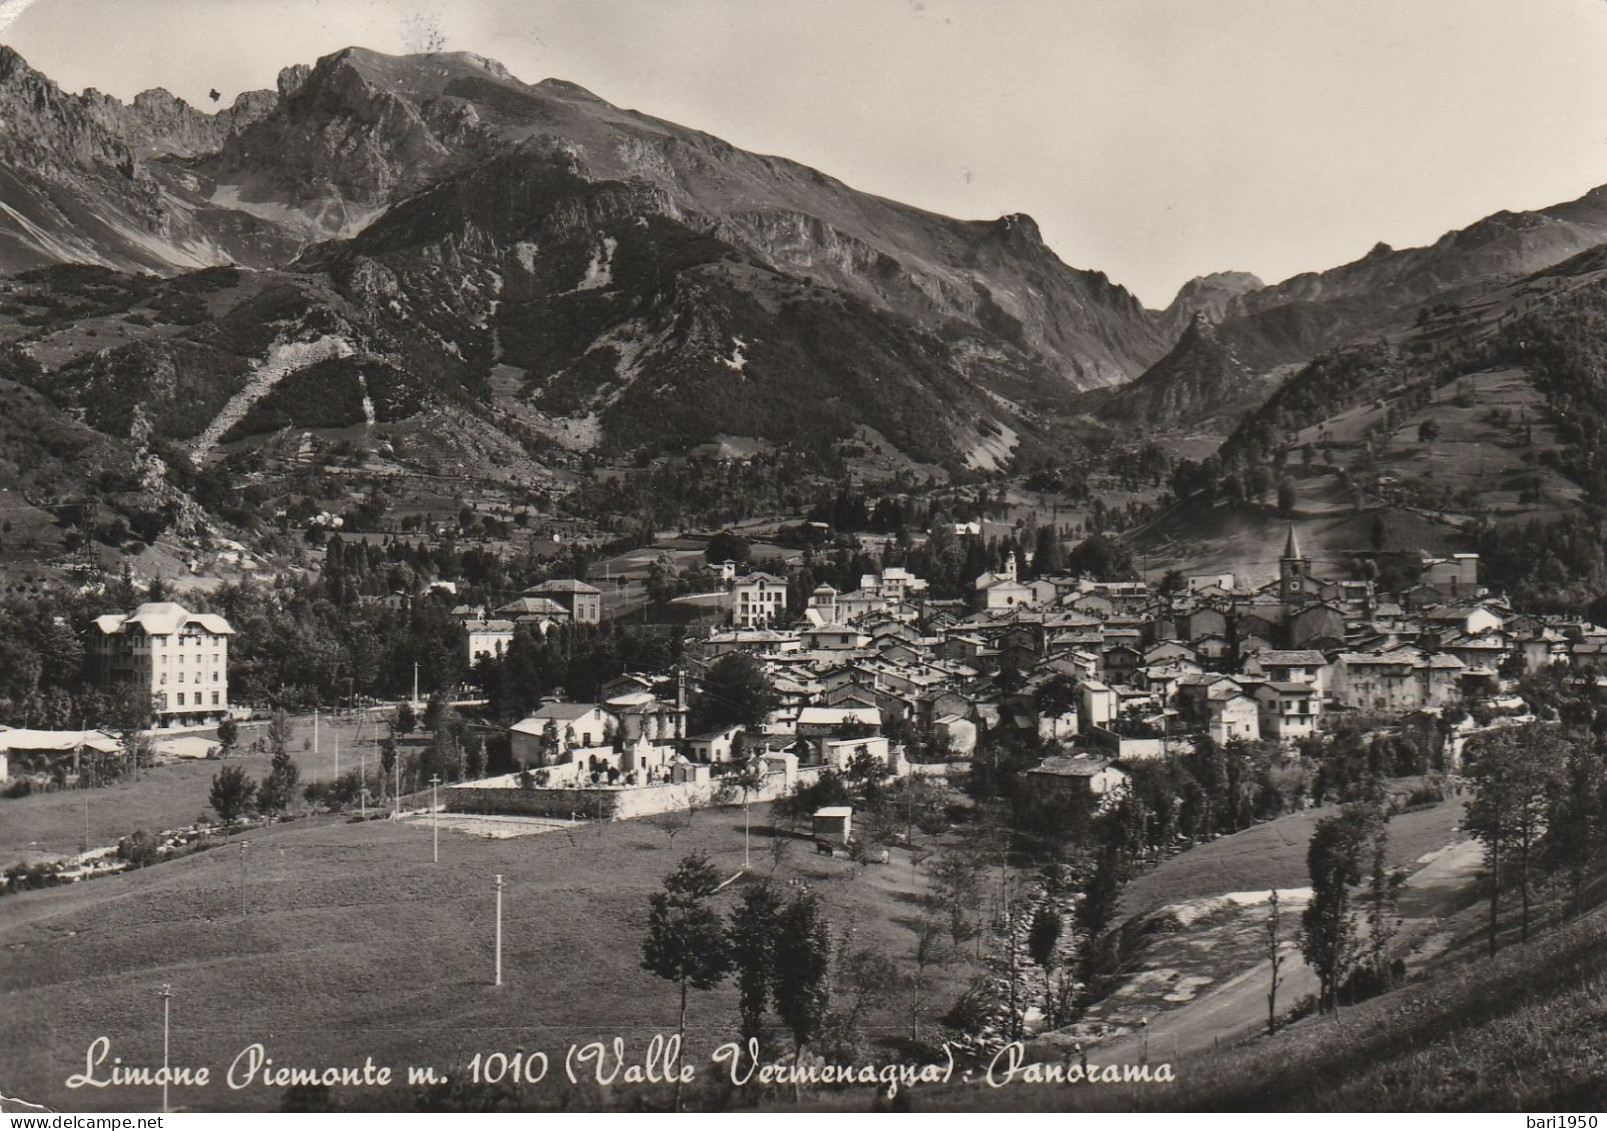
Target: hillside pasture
column 354, row 944
column 48, row 826
column 1494, row 435
column 1273, row 855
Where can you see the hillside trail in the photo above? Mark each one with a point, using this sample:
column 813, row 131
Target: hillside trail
column 1237, row 1009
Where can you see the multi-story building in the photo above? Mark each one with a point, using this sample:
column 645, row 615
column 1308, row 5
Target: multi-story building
column 486, row 639
column 584, row 602
column 758, row 599
column 1288, row 711
column 179, row 658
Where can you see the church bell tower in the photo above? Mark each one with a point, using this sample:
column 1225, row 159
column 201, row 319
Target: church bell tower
column 1294, row 574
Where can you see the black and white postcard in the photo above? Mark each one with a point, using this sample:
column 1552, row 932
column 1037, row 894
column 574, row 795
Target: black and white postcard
column 840, row 556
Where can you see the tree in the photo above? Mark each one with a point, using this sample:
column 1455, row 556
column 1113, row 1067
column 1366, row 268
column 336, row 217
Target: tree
column 751, row 937
column 956, row 891
column 1288, row 495
column 1428, row 431
column 228, row 735
column 1101, row 557
column 1043, row 944
column 438, row 712
column 1383, row 898
column 280, row 731
column 736, row 691
column 802, row 966
column 929, row 951
column 406, row 719
column 1100, row 901
column 1056, row 697
column 1515, row 773
column 139, row 850
column 474, row 759
column 278, row 788
column 1274, row 959
column 1577, row 822
column 686, row 943
column 1328, row 937
column 865, row 771
column 1049, row 554
column 231, row 793
column 726, row 547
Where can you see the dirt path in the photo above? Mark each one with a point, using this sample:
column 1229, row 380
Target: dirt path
column 1238, row 1007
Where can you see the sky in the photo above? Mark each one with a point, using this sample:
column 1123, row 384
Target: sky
column 1154, row 140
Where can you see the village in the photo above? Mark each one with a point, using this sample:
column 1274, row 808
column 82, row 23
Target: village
column 1095, row 675
column 1090, row 741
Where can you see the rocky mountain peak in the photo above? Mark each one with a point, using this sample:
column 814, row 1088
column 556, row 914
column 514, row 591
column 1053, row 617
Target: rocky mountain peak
column 291, row 79
column 1019, row 230
column 1213, row 295
column 563, row 88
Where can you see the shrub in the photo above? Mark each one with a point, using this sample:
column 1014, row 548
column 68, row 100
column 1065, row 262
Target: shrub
column 139, row 849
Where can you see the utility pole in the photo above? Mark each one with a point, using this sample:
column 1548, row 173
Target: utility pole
column 499, row 930
column 362, row 783
column 415, row 684
column 243, row 845
column 167, row 1003
column 315, row 731
column 435, row 821
column 396, row 801
column 337, row 761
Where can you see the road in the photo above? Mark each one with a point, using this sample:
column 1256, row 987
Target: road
column 1238, row 1007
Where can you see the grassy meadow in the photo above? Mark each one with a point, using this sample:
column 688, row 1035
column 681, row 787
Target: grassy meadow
column 354, row 944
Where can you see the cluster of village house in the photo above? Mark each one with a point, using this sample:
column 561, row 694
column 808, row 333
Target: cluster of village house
column 1140, row 673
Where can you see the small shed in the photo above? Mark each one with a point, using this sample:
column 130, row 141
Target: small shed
column 834, row 823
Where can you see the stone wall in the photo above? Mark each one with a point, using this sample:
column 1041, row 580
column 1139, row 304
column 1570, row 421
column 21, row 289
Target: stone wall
column 610, row 803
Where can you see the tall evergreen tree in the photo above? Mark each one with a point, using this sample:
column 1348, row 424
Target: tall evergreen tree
column 686, row 942
column 1328, row 935
column 802, row 965
column 753, row 933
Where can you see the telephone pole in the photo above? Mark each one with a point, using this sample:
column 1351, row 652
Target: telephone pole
column 243, row 845
column 435, row 825
column 167, row 1003
column 499, row 930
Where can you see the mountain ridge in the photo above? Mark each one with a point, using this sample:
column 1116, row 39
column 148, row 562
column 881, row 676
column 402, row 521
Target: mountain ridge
column 608, row 277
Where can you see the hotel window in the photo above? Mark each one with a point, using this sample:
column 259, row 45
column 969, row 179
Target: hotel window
column 214, row 698
column 181, row 699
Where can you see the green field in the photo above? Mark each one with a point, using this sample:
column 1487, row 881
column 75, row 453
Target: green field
column 355, row 944
column 51, row 825
column 1273, row 855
